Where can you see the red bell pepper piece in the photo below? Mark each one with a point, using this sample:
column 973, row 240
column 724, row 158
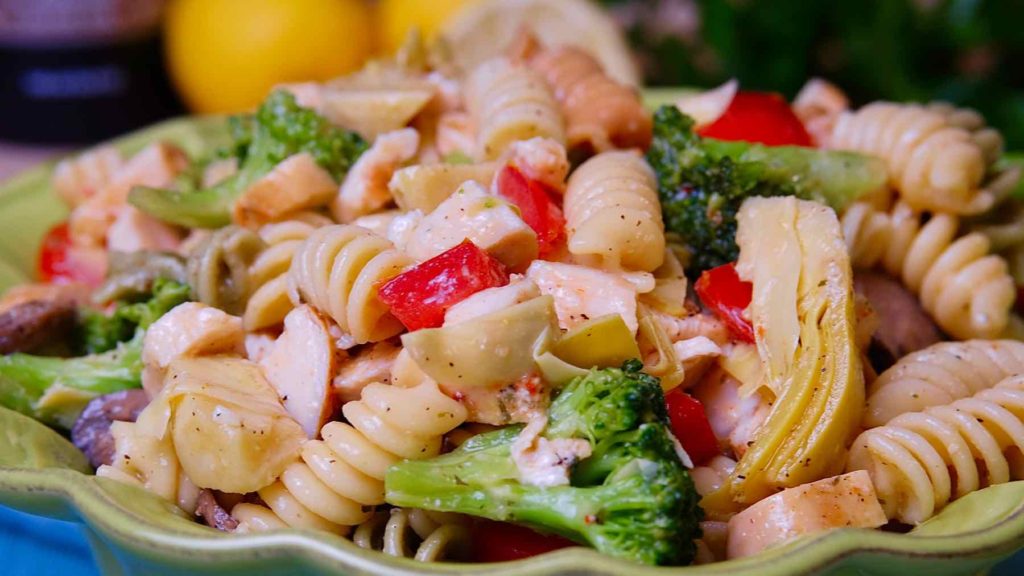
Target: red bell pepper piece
column 502, row 542
column 763, row 117
column 535, row 206
column 60, row 262
column 420, row 296
column 722, row 291
column 690, row 425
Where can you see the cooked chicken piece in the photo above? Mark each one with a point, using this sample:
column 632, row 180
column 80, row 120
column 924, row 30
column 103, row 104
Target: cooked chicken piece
column 91, row 432
column 31, row 325
column 702, row 324
column 189, row 329
column 543, row 462
column 846, row 501
column 489, row 222
column 540, row 159
column 365, row 189
column 212, row 513
column 697, row 355
column 297, row 183
column 732, row 417
column 133, row 231
column 818, row 104
column 519, row 290
column 371, row 364
column 259, row 344
column 582, row 293
column 301, row 366
column 904, row 326
column 76, row 179
column 456, row 134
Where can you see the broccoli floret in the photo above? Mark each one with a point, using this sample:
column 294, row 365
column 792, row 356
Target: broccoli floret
column 279, row 129
column 702, row 182
column 632, row 498
column 54, row 390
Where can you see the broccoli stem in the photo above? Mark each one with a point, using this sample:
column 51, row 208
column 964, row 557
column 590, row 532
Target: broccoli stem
column 210, row 208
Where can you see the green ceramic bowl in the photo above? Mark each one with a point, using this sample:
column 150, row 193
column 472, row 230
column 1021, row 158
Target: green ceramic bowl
column 132, row 532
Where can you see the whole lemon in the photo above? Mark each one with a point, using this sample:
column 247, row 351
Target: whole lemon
column 397, row 17
column 225, row 55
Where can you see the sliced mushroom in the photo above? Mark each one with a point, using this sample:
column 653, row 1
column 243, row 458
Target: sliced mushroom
column 301, row 367
column 30, row 325
column 91, row 432
column 213, row 513
column 903, row 327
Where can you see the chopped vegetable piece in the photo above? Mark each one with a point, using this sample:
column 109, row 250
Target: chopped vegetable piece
column 691, row 426
column 535, row 206
column 504, row 542
column 60, row 262
column 727, row 296
column 762, row 117
column 600, row 342
column 420, row 296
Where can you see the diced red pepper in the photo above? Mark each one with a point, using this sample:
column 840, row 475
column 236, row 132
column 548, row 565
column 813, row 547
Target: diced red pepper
column 60, row 262
column 502, row 542
column 420, row 296
column 722, row 291
column 535, row 206
column 763, row 117
column 690, row 425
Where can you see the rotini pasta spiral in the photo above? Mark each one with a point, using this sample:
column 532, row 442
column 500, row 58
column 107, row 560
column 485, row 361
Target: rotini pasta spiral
column 418, row 534
column 968, row 291
column 341, row 477
column 218, row 268
column 612, row 212
column 920, row 461
column 269, row 303
column 598, row 110
column 940, row 374
column 987, row 138
column 934, row 164
column 510, row 103
column 338, row 269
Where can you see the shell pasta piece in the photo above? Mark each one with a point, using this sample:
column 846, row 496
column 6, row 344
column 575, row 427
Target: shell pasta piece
column 598, row 110
column 967, row 290
column 338, row 269
column 612, row 212
column 920, row 461
column 940, row 374
column 934, row 164
column 509, row 103
column 341, row 477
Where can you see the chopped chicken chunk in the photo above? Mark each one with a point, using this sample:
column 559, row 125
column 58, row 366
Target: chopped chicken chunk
column 732, row 416
column 543, row 462
column 583, row 293
column 297, row 183
column 134, row 230
column 371, row 364
column 365, row 189
column 540, row 159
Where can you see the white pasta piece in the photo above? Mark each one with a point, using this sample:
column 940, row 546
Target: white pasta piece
column 920, row 461
column 582, row 293
column 509, row 103
column 338, row 270
column 268, row 274
column 967, row 290
column 613, row 214
column 365, row 189
column 488, row 221
column 425, row 186
column 939, row 375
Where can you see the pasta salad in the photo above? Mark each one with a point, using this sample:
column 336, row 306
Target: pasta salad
column 478, row 315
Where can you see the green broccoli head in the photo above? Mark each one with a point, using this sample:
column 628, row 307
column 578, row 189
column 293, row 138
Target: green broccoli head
column 102, row 332
column 702, row 182
column 280, row 128
column 632, row 498
column 605, row 402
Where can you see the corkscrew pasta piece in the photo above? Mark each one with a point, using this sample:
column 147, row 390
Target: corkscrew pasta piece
column 987, row 138
column 218, row 268
column 967, row 290
column 612, row 212
column 940, row 374
column 268, row 274
column 418, row 534
column 934, row 164
column 341, row 477
column 508, row 103
column 338, row 269
column 920, row 461
column 598, row 111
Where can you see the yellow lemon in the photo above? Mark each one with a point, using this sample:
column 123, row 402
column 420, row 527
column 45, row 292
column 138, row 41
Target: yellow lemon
column 225, row 55
column 397, row 17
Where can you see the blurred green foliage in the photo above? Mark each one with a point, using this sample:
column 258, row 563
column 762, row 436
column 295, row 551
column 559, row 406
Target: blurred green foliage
column 965, row 51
